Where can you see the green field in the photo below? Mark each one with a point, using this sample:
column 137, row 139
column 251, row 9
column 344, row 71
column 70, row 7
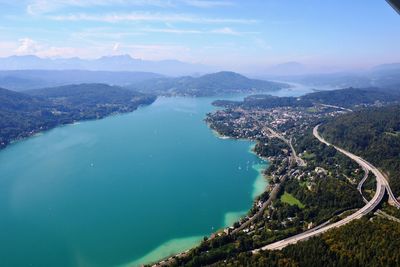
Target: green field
column 308, row 155
column 312, row 110
column 395, row 134
column 291, row 200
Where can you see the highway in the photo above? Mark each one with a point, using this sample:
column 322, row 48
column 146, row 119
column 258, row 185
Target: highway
column 392, row 199
column 331, row 106
column 381, row 186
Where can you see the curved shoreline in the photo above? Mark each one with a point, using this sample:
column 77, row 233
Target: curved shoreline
column 40, row 132
column 259, row 168
column 248, row 176
column 229, row 219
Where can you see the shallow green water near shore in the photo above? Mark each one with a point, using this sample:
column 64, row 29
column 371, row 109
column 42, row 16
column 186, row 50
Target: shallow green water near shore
column 124, row 190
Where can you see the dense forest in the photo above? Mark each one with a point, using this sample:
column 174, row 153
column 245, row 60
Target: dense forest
column 349, row 97
column 372, row 133
column 220, row 83
column 265, row 101
column 24, row 114
column 357, row 244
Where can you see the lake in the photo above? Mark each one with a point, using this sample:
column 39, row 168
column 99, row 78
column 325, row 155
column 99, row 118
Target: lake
column 124, row 190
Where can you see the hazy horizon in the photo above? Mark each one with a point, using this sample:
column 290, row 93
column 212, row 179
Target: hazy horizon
column 226, row 34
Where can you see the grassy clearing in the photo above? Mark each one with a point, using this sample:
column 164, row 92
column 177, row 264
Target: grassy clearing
column 291, row 200
column 394, row 134
column 312, row 110
column 308, row 156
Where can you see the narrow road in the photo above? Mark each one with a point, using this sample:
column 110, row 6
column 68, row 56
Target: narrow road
column 387, row 216
column 360, row 185
column 271, row 198
column 298, row 160
column 381, row 185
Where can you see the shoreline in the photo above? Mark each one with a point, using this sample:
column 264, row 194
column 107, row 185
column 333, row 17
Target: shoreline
column 164, row 261
column 230, row 218
column 250, row 150
column 265, row 161
column 43, row 131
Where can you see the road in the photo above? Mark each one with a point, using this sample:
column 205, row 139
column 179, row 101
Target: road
column 275, row 190
column 332, row 106
column 300, row 162
column 387, row 216
column 392, row 199
column 360, row 185
column 381, row 186
column 272, row 197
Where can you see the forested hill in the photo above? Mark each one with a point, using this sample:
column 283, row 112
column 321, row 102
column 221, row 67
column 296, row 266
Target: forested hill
column 24, row 114
column 10, row 100
column 88, row 95
column 373, row 134
column 361, row 243
column 19, row 80
column 353, row 96
column 349, row 97
column 208, row 85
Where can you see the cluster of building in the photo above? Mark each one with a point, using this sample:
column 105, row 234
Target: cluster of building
column 284, row 123
column 253, row 123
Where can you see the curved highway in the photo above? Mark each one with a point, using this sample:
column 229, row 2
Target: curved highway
column 381, row 186
column 392, row 199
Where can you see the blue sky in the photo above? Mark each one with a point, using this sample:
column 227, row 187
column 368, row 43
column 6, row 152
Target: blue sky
column 247, row 34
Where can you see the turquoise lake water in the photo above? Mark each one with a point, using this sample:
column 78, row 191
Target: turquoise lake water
column 123, row 190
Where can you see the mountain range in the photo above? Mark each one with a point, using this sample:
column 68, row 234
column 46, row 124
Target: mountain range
column 19, row 80
column 105, row 63
column 220, row 83
column 30, row 72
column 386, row 75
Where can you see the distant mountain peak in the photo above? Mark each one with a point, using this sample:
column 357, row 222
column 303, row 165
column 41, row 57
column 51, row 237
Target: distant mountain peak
column 122, row 56
column 219, row 83
column 25, row 56
column 226, row 74
column 122, row 62
column 387, row 67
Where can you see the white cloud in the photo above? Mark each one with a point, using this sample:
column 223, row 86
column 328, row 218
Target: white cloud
column 27, row 46
column 223, row 31
column 226, row 30
column 109, row 33
column 104, row 33
column 36, row 7
column 230, row 31
column 116, row 47
column 149, row 17
column 207, row 4
column 171, row 30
